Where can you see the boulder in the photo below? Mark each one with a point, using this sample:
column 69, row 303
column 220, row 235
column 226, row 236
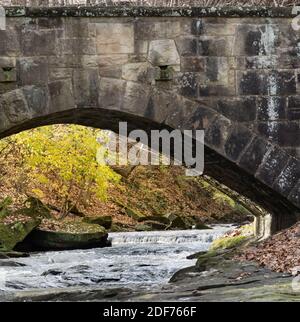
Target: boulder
column 160, row 219
column 14, row 229
column 143, row 227
column 176, row 221
column 13, row 254
column 35, row 209
column 154, row 225
column 70, row 236
column 104, row 221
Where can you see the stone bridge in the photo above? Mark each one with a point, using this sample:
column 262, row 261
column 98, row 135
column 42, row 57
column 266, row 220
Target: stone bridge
column 233, row 72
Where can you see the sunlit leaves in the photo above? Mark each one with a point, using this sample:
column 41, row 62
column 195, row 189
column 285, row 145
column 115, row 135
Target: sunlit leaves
column 64, row 156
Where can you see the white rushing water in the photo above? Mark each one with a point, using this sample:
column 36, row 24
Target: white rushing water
column 135, row 258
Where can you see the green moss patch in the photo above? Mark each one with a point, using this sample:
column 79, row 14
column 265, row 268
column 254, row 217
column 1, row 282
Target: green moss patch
column 227, row 242
column 14, row 229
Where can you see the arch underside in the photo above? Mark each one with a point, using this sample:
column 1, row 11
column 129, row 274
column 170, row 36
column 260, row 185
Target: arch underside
column 216, row 165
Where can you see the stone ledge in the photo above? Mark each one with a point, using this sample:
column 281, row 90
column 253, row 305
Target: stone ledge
column 127, row 11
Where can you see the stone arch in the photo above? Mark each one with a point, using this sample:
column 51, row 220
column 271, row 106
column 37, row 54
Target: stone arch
column 173, row 68
column 227, row 159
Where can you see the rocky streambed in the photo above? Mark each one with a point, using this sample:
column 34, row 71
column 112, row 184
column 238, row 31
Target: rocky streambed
column 148, row 266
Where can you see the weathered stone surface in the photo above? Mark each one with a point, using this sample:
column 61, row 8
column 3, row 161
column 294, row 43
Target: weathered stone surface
column 139, row 72
column 15, row 106
column 61, row 95
column 239, row 109
column 104, row 221
column 37, row 98
column 271, row 108
column 86, row 84
column 237, row 141
column 163, row 53
column 236, row 77
column 288, row 177
column 293, row 109
column 7, row 70
column 272, row 165
column 116, row 38
column 32, row 71
column 254, row 154
column 271, row 83
column 295, row 194
column 38, row 43
column 217, row 133
column 136, row 98
column 285, row 134
column 111, row 93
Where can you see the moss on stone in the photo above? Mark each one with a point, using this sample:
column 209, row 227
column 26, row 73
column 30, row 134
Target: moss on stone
column 104, row 221
column 227, row 242
column 11, row 235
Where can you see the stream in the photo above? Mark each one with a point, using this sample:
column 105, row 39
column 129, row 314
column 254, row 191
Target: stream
column 136, row 260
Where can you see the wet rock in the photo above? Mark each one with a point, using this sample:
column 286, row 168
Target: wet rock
column 10, row 264
column 160, row 219
column 143, row 227
column 176, row 221
column 13, row 254
column 35, row 209
column 104, row 221
column 77, row 236
column 15, row 231
column 154, row 225
column 53, row 272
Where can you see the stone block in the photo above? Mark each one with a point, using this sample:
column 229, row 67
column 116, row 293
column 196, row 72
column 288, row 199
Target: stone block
column 272, row 83
column 139, row 72
column 271, row 108
column 163, row 53
column 115, row 38
column 254, row 154
column 187, row 46
column 193, row 64
column 238, row 109
column 77, row 46
column 86, row 84
column 32, row 70
column 256, row 40
column 237, row 141
column 39, row 43
column 111, row 93
column 217, row 70
column 283, row 133
column 150, row 29
column 215, row 46
column 293, row 109
column 288, row 177
column 9, row 43
column 15, row 106
column 217, row 133
column 136, row 98
column 295, row 195
column 61, row 95
column 37, row 98
column 188, row 85
column 111, row 65
column 272, row 165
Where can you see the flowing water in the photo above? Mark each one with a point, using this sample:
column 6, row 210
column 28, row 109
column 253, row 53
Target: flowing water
column 135, row 259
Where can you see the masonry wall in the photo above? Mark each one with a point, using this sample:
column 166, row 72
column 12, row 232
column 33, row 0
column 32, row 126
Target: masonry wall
column 237, row 77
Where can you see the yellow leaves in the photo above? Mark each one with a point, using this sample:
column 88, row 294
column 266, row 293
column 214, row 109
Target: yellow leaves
column 38, row 192
column 64, row 156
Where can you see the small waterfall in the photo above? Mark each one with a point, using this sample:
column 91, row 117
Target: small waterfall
column 168, row 237
column 137, row 259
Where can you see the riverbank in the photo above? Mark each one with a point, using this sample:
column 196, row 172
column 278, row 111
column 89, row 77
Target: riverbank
column 148, row 266
column 232, row 281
